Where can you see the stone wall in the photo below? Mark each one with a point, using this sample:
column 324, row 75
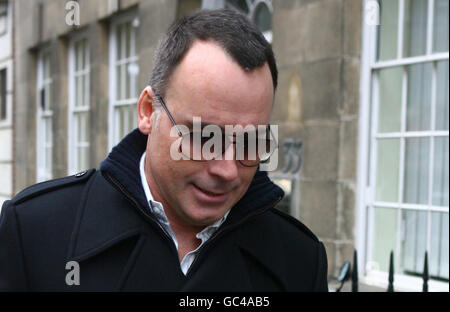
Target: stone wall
column 317, row 45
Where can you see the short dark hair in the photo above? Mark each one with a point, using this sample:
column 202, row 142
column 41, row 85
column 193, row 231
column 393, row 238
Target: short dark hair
column 234, row 32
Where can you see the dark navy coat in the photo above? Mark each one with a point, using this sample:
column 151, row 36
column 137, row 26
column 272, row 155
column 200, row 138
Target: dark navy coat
column 100, row 218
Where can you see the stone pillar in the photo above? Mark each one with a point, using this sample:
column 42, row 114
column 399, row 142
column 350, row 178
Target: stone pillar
column 317, row 45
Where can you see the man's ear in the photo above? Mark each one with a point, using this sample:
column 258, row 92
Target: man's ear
column 145, row 110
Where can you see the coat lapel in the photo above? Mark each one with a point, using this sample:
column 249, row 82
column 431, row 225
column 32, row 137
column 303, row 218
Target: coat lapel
column 104, row 220
column 111, row 239
column 265, row 266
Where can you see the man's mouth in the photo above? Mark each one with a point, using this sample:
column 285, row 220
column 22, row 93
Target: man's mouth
column 209, row 196
column 212, row 193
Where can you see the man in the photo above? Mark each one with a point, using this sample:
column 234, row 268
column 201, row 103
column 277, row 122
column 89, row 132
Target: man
column 148, row 222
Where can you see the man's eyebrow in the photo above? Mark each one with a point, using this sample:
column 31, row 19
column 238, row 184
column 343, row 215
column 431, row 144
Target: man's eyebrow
column 188, row 123
column 203, row 124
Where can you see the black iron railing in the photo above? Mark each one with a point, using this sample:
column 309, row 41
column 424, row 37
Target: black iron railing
column 347, row 272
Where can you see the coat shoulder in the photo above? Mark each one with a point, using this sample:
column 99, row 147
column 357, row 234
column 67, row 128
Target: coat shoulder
column 292, row 225
column 51, row 185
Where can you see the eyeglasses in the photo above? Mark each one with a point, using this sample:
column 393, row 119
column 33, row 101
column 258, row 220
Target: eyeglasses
column 251, row 148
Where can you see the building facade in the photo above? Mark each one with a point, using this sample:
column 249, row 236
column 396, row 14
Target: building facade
column 361, row 109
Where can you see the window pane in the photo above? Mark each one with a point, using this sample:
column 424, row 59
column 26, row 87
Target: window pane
column 127, row 40
column 390, row 98
column 76, row 91
column 3, row 106
column 122, row 126
column 80, row 56
column 417, row 159
column 83, row 128
column 119, row 82
column 418, row 109
column 48, row 163
column 440, row 26
column 414, row 240
column 385, row 235
column 134, row 37
column 119, row 42
column 48, row 131
column 48, row 98
column 86, row 89
column 86, row 129
column 132, row 118
column 262, row 17
column 387, row 35
column 79, row 156
column 440, row 172
column 438, row 257
column 83, row 90
column 76, row 57
column 239, row 4
column 388, row 156
column 133, row 71
column 79, row 127
column 85, row 158
column 83, row 54
column 442, row 96
column 415, row 28
column 127, row 82
column 82, row 158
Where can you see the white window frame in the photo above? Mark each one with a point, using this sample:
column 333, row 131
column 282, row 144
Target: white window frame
column 43, row 173
column 367, row 151
column 72, row 132
column 113, row 102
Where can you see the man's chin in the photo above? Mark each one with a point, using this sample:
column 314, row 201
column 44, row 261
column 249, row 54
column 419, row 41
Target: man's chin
column 202, row 219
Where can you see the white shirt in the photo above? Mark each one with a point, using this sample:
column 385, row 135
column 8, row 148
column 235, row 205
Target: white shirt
column 157, row 210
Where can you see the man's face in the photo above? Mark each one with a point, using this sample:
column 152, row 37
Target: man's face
column 207, row 84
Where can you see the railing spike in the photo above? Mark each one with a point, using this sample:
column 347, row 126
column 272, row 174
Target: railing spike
column 391, row 273
column 355, row 272
column 425, row 273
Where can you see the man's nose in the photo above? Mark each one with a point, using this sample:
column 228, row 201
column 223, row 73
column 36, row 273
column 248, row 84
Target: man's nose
column 225, row 168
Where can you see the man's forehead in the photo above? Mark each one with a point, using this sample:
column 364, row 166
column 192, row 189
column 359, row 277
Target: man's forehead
column 207, row 71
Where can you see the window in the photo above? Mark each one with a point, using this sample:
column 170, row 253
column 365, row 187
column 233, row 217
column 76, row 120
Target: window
column 44, row 118
column 405, row 181
column 123, row 78
column 258, row 11
column 78, row 106
column 3, row 90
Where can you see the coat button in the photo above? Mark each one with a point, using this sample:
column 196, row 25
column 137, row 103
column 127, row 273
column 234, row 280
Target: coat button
column 80, row 174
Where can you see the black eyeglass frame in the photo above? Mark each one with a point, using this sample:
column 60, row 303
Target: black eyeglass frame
column 164, row 106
